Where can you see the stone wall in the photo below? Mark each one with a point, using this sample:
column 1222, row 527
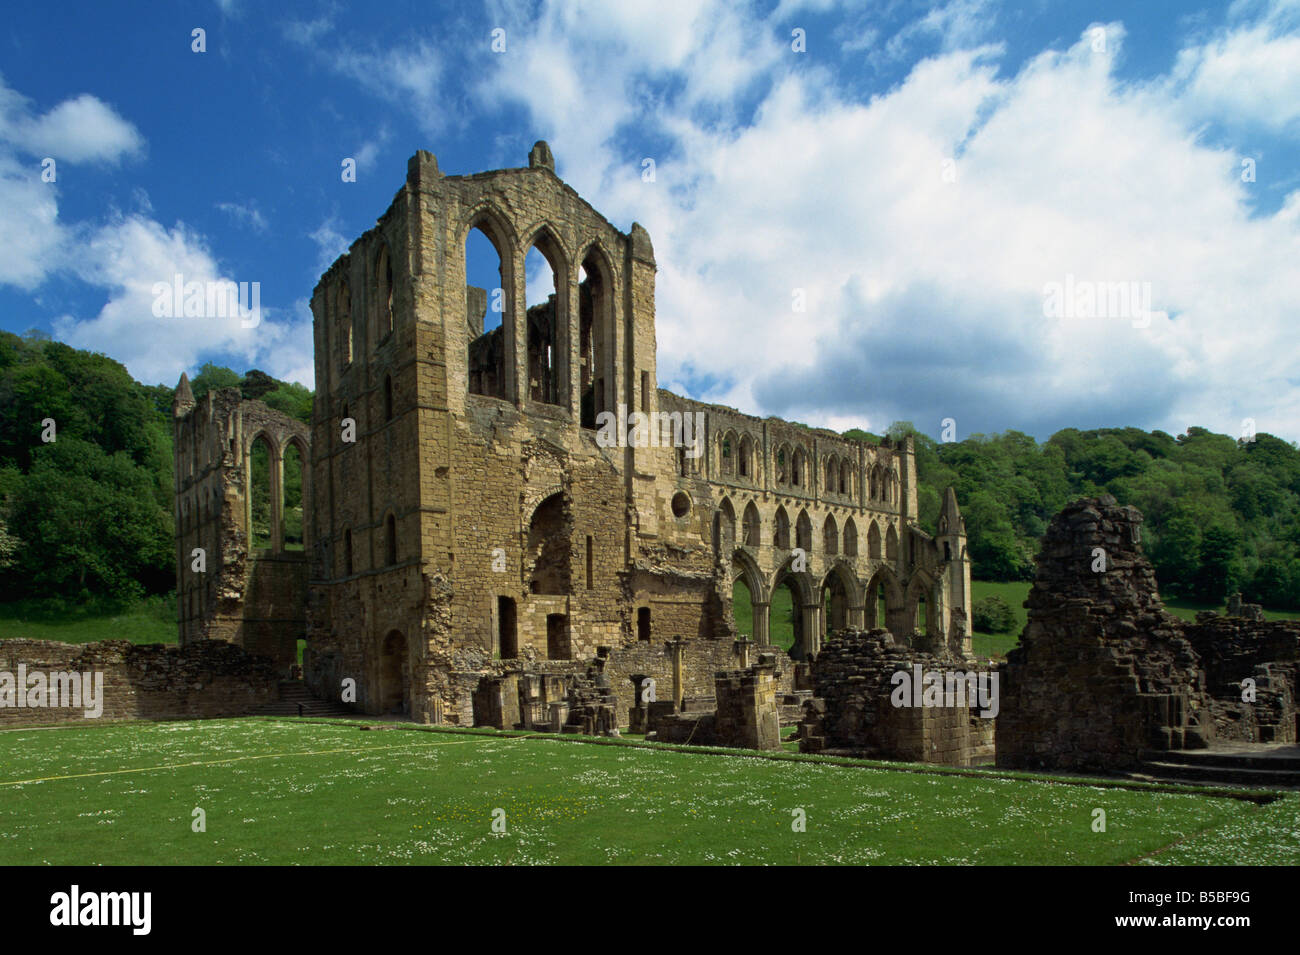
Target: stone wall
column 201, row 680
column 855, row 711
column 245, row 594
column 746, row 714
column 1236, row 649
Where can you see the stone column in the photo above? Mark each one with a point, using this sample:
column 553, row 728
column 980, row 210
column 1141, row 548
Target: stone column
column 515, row 328
column 812, row 628
column 857, row 617
column 677, row 647
column 761, row 637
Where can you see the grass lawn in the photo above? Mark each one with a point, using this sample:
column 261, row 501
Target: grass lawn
column 296, row 792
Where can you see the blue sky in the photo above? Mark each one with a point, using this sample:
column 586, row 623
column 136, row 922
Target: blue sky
column 919, row 175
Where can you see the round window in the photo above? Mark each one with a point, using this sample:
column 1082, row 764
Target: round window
column 681, row 504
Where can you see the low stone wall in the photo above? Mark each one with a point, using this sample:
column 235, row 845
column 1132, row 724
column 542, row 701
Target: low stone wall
column 201, row 680
column 861, row 706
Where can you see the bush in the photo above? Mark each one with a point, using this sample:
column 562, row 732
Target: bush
column 992, row 614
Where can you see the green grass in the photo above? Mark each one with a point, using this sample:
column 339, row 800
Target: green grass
column 150, row 621
column 306, row 793
column 781, row 615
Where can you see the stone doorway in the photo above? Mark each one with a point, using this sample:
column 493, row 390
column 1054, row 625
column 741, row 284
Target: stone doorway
column 394, row 675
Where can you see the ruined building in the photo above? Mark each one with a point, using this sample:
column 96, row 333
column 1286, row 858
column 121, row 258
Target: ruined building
column 1104, row 676
column 483, row 502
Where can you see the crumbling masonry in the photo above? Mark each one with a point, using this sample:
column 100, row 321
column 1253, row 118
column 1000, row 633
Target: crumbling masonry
column 466, row 518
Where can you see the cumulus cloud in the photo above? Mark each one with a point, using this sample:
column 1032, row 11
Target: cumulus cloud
column 921, row 228
column 78, row 130
column 133, row 257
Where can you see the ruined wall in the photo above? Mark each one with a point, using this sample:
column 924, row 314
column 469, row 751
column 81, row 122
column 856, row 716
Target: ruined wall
column 471, row 522
column 854, row 710
column 201, row 680
column 252, row 596
column 1235, row 649
column 1102, row 671
column 701, row 661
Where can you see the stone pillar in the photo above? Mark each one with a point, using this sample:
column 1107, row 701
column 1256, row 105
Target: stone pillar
column 741, row 649
column 856, row 618
column 677, row 647
column 515, row 329
column 639, row 709
column 812, row 628
column 761, row 637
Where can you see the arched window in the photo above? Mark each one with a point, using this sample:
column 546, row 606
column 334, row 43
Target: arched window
column 486, row 301
column 546, row 308
column 797, row 468
column 846, row 478
column 744, row 456
column 803, row 532
column 594, row 323
column 727, row 525
column 781, row 533
column 293, row 476
column 728, row 460
column 891, row 544
column 261, row 509
column 390, row 539
column 850, row 538
column 830, row 537
column 752, row 526
column 873, row 542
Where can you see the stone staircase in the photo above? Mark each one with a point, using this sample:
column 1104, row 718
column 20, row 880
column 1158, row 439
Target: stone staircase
column 1265, row 765
column 294, row 693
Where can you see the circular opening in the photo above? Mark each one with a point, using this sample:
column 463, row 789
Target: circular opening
column 681, row 504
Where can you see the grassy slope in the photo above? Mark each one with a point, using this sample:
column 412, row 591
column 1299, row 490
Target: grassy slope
column 279, row 792
column 145, row 623
column 997, row 644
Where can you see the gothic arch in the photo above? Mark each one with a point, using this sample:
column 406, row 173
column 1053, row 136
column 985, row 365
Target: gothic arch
column 850, row 538
column 830, row 536
column 874, row 549
column 745, row 567
column 803, row 533
column 781, row 529
column 752, row 528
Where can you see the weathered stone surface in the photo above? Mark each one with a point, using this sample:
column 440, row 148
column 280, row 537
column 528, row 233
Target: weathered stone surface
column 1103, row 672
column 477, row 527
column 202, row 679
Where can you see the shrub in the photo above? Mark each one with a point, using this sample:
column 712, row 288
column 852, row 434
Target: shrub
column 992, row 614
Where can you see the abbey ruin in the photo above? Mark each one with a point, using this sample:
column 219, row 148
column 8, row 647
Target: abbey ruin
column 473, row 546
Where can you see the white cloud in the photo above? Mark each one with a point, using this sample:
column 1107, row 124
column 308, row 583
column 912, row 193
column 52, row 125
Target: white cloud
column 133, row 255
column 330, row 243
column 81, row 129
column 245, row 214
column 925, row 297
column 1248, row 75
